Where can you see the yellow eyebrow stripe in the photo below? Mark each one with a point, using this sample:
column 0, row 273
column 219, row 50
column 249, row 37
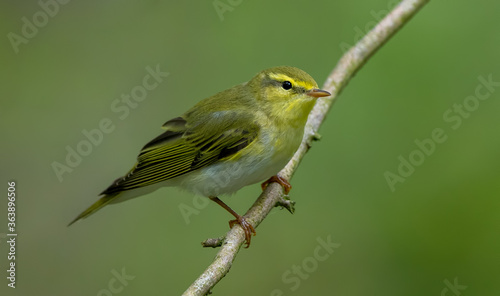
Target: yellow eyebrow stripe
column 283, row 77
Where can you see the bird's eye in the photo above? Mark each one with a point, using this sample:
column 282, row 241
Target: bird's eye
column 286, row 85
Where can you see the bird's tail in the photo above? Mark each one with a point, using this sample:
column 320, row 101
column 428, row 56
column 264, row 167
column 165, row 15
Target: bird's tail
column 106, row 199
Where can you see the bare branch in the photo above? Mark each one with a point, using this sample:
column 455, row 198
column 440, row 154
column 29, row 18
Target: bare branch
column 348, row 65
column 213, row 242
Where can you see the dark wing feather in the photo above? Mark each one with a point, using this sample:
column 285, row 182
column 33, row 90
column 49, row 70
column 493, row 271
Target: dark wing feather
column 184, row 148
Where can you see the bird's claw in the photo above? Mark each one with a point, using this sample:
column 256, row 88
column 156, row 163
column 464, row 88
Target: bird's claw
column 247, row 228
column 280, row 180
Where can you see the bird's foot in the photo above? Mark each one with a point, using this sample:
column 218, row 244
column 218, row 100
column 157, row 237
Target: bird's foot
column 280, row 180
column 247, row 227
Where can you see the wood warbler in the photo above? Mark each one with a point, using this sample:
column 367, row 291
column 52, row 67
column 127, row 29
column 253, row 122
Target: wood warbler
column 240, row 136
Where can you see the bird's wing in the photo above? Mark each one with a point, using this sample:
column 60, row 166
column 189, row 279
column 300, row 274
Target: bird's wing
column 186, row 146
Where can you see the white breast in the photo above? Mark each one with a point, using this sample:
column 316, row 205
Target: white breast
column 229, row 176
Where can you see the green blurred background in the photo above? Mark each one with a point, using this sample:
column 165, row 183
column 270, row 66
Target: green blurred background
column 440, row 225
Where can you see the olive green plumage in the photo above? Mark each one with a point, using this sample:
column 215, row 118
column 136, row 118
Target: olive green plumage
column 253, row 128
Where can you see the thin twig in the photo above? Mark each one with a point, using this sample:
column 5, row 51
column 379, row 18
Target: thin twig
column 348, row 65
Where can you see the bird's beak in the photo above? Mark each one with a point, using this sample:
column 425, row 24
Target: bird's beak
column 318, row 93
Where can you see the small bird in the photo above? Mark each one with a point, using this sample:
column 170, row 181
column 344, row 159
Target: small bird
column 238, row 137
